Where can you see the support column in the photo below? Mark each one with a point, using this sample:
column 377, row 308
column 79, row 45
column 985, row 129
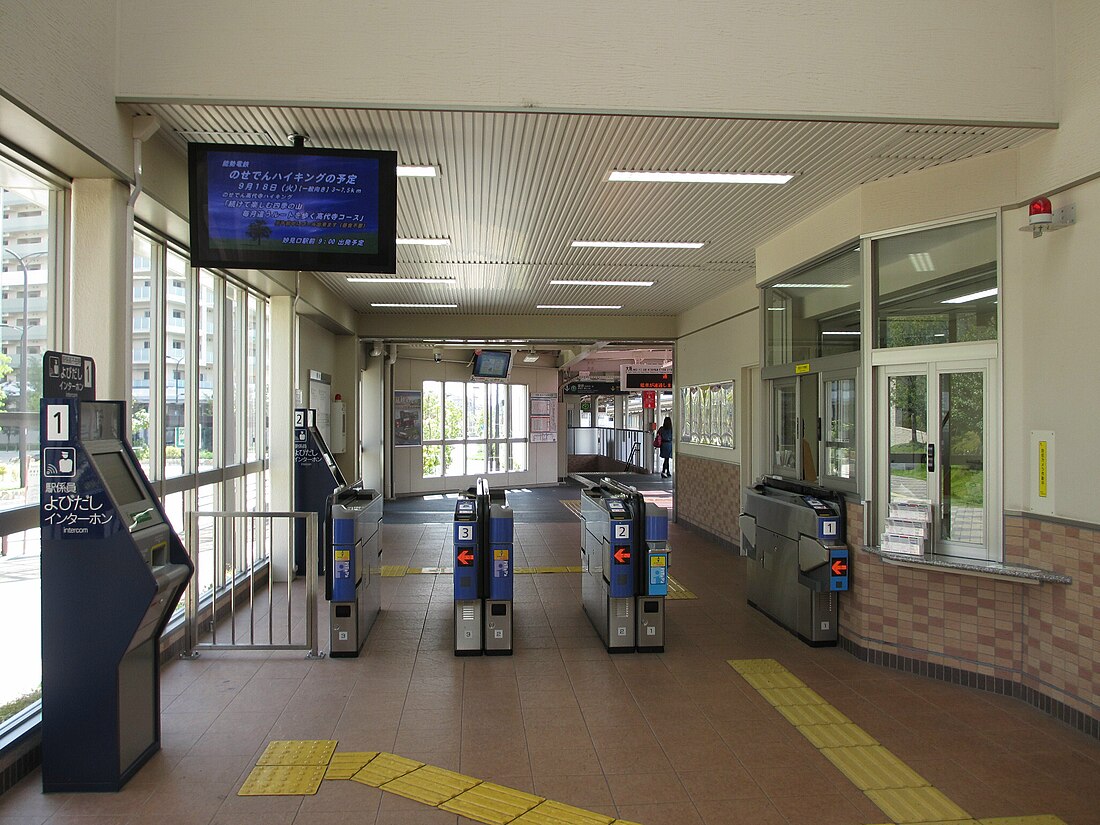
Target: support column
column 101, row 284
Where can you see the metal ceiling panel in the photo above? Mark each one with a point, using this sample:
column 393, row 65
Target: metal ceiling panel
column 517, row 187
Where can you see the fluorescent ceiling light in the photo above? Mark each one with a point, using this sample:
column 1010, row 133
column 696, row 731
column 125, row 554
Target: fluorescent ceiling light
column 839, row 332
column 638, row 244
column 974, row 296
column 810, row 286
column 922, row 262
column 416, row 172
column 419, row 306
column 564, row 282
column 777, row 309
column 530, row 357
column 699, row 177
column 423, row 241
column 356, row 279
column 579, row 306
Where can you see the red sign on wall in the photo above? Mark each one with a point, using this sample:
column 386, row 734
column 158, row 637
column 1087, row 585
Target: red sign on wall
column 649, row 400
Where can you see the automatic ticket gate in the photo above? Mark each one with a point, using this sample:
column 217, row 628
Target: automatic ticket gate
column 113, row 571
column 624, row 567
column 316, row 477
column 483, row 569
column 794, row 537
column 353, row 574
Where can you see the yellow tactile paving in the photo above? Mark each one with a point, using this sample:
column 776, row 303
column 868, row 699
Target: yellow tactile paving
column 394, row 570
column 572, row 505
column 385, row 768
column 873, row 768
column 791, row 696
column 316, row 752
column 346, row 765
column 430, row 785
column 492, row 804
column 282, row 780
column 744, row 666
column 909, row 806
column 1042, row 819
column 678, row 591
column 799, row 715
column 784, row 679
column 837, row 736
column 555, row 813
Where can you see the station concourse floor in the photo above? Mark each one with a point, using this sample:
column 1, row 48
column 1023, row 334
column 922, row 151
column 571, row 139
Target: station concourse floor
column 678, row 737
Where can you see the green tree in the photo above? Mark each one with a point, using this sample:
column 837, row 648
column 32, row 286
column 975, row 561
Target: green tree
column 5, row 371
column 258, row 230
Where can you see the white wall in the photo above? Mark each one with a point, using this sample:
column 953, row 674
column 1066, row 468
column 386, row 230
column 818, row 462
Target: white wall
column 939, row 59
column 542, row 459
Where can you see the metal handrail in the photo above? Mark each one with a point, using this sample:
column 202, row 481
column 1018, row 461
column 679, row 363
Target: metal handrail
column 216, row 608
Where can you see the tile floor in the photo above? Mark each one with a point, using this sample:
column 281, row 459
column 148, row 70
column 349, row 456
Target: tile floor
column 672, row 738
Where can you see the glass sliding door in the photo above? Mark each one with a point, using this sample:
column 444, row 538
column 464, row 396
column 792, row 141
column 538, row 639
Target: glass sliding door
column 935, row 425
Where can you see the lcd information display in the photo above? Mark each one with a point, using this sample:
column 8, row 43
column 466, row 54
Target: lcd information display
column 492, row 364
column 271, row 207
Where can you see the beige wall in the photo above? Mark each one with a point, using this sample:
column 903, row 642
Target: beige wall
column 937, row 59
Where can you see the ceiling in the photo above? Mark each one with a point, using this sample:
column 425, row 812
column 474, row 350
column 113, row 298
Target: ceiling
column 517, row 187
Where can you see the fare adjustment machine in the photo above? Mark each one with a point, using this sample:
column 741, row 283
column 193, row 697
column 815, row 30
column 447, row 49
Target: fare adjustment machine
column 113, row 571
column 624, row 567
column 353, row 575
column 483, row 569
column 316, row 476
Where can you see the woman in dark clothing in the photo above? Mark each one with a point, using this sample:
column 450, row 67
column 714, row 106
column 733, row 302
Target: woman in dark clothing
column 664, row 444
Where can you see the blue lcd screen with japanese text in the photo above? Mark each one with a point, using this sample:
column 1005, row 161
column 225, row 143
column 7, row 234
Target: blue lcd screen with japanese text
column 273, row 207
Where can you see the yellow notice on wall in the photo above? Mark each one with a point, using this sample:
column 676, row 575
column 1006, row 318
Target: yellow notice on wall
column 1042, row 469
column 801, row 369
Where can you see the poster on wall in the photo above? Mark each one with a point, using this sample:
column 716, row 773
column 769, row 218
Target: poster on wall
column 406, row 418
column 544, row 417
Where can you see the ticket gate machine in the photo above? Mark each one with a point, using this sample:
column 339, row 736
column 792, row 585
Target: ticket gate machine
column 794, row 536
column 113, row 571
column 483, row 569
column 624, row 567
column 316, row 476
column 353, row 574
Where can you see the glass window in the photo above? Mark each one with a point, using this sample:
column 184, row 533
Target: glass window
column 209, row 396
column 177, row 389
column 233, row 373
column 473, row 428
column 785, row 412
column 707, row 414
column 937, row 286
column 148, row 259
column 20, row 622
column 255, row 371
column 814, row 313
column 839, row 424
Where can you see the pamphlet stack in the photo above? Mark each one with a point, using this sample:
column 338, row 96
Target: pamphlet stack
column 908, row 529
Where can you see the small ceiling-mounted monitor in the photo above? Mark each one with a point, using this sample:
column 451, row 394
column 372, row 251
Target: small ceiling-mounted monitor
column 493, row 364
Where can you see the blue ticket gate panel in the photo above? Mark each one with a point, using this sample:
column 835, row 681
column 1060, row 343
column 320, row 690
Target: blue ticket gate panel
column 353, row 575
column 498, row 604
column 316, row 476
column 467, row 579
column 624, row 567
column 113, row 571
column 483, row 569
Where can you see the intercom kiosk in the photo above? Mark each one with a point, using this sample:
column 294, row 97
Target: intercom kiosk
column 794, row 536
column 113, row 571
column 353, row 577
column 483, row 556
column 624, row 567
column 316, row 477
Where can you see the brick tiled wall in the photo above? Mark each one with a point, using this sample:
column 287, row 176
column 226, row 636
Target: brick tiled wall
column 708, row 495
column 1044, row 637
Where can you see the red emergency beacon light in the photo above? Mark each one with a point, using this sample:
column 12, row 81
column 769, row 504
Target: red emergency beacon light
column 1040, row 212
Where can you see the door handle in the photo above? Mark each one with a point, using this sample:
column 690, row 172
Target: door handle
column 931, row 458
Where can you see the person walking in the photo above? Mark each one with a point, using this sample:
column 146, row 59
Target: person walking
column 663, row 442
